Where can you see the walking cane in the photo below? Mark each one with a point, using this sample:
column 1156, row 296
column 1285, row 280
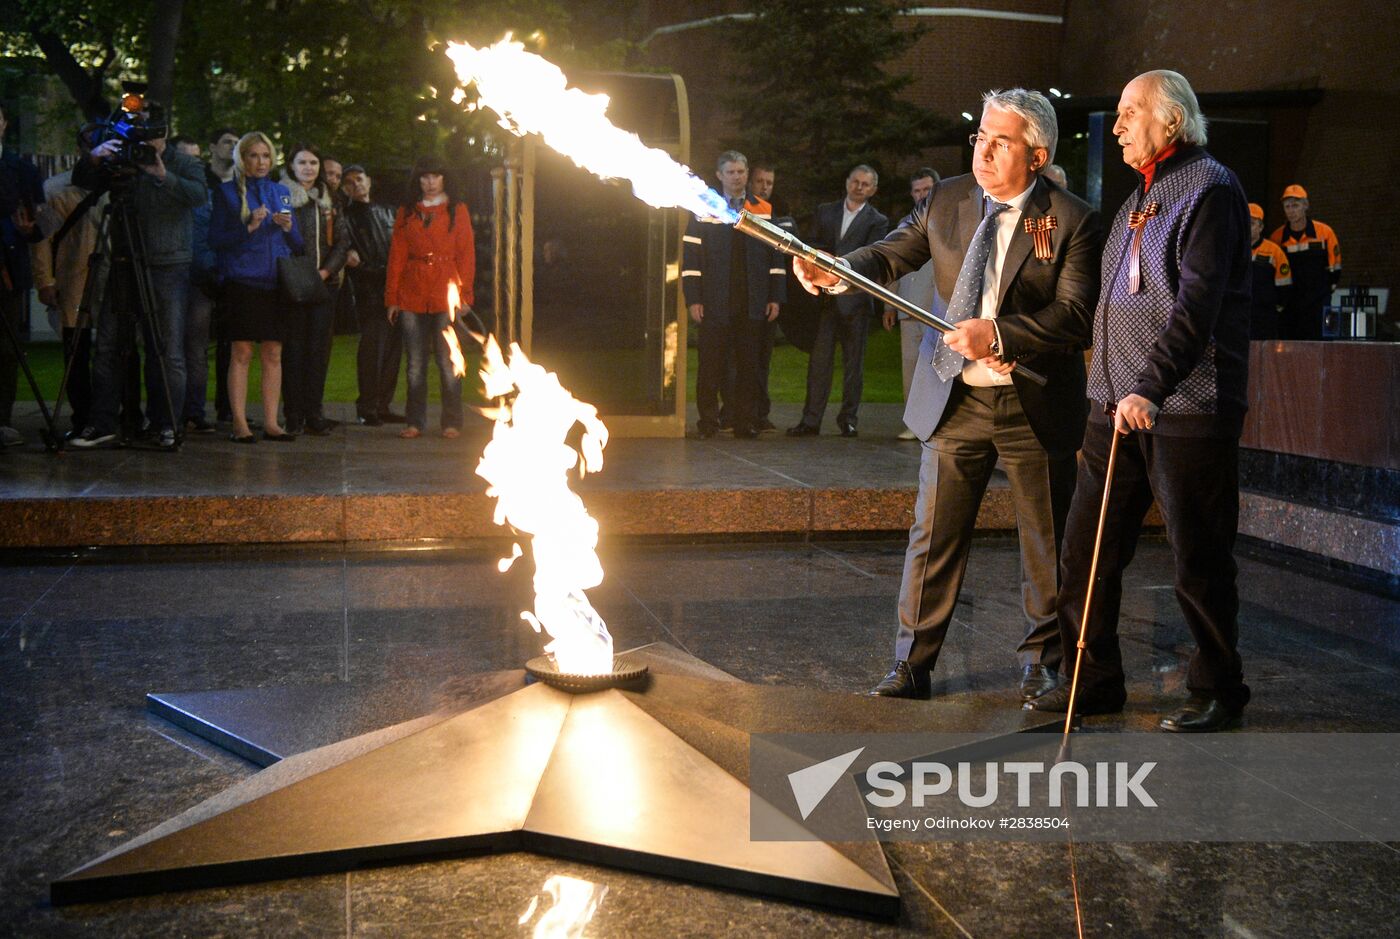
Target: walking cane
column 1093, row 569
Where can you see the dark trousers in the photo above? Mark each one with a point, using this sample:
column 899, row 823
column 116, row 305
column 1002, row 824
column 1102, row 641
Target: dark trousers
column 765, row 362
column 1196, row 484
column 763, row 405
column 114, row 351
column 306, row 358
column 77, row 359
column 726, row 339
column 12, row 308
column 381, row 348
column 199, row 312
column 979, row 426
column 223, row 353
column 850, row 332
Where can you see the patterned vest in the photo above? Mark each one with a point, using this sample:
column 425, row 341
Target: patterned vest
column 1127, row 324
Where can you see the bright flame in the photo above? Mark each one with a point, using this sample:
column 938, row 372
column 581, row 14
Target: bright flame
column 531, row 96
column 527, row 465
column 449, row 332
column 573, row 903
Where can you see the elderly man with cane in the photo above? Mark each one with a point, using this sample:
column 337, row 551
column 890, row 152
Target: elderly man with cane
column 1168, row 398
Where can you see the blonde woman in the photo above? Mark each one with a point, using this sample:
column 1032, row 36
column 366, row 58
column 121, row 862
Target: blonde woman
column 251, row 227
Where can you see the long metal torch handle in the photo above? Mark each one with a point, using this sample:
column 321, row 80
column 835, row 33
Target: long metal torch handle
column 791, row 245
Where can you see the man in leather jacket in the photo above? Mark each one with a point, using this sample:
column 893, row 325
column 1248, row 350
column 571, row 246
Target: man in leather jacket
column 371, row 226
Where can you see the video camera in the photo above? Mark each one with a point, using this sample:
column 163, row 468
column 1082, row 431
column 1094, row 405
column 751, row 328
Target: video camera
column 135, row 122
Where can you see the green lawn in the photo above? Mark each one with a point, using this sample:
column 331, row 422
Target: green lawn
column 787, row 380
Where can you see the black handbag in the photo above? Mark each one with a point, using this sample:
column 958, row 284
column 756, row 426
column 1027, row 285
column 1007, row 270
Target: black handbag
column 299, row 277
column 299, row 281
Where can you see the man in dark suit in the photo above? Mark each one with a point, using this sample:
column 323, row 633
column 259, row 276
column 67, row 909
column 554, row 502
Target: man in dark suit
column 733, row 286
column 1016, row 298
column 842, row 227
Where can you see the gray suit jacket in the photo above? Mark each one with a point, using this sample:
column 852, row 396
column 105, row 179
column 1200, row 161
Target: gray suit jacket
column 1045, row 308
column 868, row 227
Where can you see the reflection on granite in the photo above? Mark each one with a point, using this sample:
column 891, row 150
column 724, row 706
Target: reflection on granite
column 1368, row 491
column 1349, row 538
column 82, row 768
column 1328, row 400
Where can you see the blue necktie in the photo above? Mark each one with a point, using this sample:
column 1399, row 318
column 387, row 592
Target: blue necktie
column 967, row 292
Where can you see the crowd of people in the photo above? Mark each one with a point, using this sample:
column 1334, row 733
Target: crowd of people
column 249, row 251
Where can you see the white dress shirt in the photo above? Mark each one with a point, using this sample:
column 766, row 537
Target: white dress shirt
column 974, row 372
column 848, row 215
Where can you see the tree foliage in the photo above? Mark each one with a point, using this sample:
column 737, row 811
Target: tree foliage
column 814, row 92
column 365, row 79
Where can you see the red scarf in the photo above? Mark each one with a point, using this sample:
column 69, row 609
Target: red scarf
column 1150, row 170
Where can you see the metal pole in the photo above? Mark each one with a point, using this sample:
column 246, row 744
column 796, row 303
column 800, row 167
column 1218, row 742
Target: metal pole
column 512, row 245
column 498, row 254
column 790, row 244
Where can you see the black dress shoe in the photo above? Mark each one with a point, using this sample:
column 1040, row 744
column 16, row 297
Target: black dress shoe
column 902, row 682
column 1201, row 715
column 279, row 438
column 803, row 430
column 848, row 430
column 706, row 431
column 389, row 417
column 1036, row 680
column 369, row 420
column 764, row 426
column 1085, row 702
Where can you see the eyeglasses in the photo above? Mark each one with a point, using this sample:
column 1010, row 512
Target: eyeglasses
column 977, row 140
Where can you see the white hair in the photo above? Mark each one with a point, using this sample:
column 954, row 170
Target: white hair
column 1042, row 128
column 1175, row 105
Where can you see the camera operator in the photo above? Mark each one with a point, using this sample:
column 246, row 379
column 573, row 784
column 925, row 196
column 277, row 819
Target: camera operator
column 164, row 190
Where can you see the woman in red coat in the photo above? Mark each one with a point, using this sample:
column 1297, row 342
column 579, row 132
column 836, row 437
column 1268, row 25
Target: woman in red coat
column 432, row 248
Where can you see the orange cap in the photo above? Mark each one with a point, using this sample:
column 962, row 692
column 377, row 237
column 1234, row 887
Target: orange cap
column 1256, row 211
column 1295, row 191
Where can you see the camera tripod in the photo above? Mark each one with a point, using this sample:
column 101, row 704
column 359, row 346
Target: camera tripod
column 117, row 270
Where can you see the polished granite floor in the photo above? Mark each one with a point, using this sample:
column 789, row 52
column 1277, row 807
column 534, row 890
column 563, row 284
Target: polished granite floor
column 83, row 767
column 370, row 460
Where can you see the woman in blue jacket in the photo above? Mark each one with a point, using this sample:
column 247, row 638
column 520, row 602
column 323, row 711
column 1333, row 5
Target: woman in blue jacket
column 251, row 227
